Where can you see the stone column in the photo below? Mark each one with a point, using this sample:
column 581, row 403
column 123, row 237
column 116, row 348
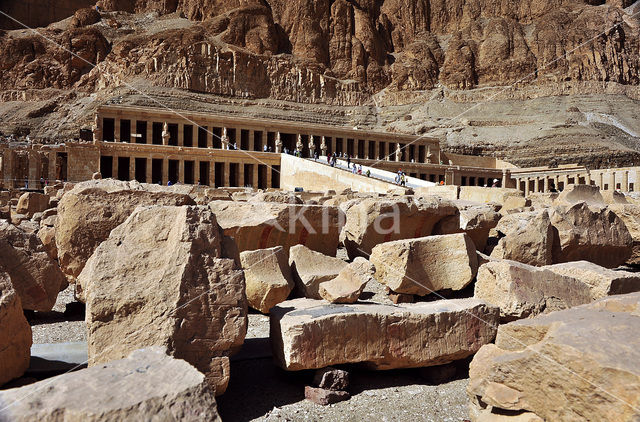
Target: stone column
column 323, row 146
column 536, row 185
column 132, row 168
column 97, row 129
column 269, row 176
column 180, row 134
column 196, row 171
column 115, row 167
column 181, row 171
column 612, row 181
column 356, row 143
column 252, row 140
column 505, row 178
column 225, row 176
column 546, row 184
column 150, row 132
column 636, row 181
column 256, row 170
column 149, row 172
column 165, row 171
column 565, row 180
column 116, row 130
column 449, row 176
column 526, row 186
column 312, row 146
column 34, row 168
column 241, row 174
column 212, row 173
column 53, row 161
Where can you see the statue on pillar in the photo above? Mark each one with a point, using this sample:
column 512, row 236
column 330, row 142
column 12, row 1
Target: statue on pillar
column 278, row 143
column 312, row 146
column 429, row 154
column 97, row 129
column 398, row 152
column 299, row 145
column 323, row 146
column 165, row 134
column 224, row 139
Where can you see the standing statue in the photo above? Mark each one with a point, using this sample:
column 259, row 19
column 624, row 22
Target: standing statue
column 299, row 146
column 278, row 143
column 97, row 129
column 398, row 152
column 429, row 154
column 165, row 134
column 224, row 139
column 323, row 147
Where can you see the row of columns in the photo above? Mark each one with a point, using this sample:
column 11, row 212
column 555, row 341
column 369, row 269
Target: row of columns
column 603, row 180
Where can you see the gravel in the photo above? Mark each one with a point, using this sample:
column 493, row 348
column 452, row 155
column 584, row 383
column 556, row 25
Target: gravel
column 59, row 326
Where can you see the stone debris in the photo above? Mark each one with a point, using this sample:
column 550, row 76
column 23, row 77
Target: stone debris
column 526, row 237
column 267, row 277
column 35, row 276
column 311, row 268
column 563, row 366
column 162, row 266
column 522, row 290
column 331, row 379
column 425, row 265
column 348, row 285
column 591, row 234
column 260, row 225
column 147, row 385
column 374, row 221
column 90, row 210
column 15, row 333
column 323, row 396
column 311, row 334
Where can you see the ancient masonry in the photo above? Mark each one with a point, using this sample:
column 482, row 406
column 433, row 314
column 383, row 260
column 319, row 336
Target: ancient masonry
column 156, row 146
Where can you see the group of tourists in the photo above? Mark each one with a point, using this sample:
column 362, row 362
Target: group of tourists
column 401, row 178
column 355, row 168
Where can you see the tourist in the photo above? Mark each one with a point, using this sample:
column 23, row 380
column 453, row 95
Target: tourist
column 359, row 168
column 269, row 149
column 169, row 183
column 495, row 183
column 348, row 161
column 315, row 156
column 26, row 182
column 403, row 179
column 354, row 170
column 368, row 173
column 264, row 149
column 397, row 179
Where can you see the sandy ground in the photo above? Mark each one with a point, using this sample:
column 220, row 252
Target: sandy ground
column 261, row 391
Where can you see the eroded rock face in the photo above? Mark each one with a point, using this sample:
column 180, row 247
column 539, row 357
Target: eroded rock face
column 374, row 221
column 311, row 334
column 521, row 290
column 311, row 268
column 267, row 277
column 162, row 266
column 349, row 283
column 35, row 276
column 427, row 264
column 88, row 212
column 260, row 225
column 592, row 234
column 593, row 367
column 528, row 238
column 147, row 384
column 15, row 333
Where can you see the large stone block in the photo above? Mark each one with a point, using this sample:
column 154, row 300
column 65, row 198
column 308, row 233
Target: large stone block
column 574, row 194
column 528, row 237
column 474, row 220
column 374, row 221
column 310, row 268
column 267, row 276
column 570, row 365
column 630, row 215
column 31, row 203
column 15, row 333
column 161, row 268
column 591, row 234
column 521, row 290
column 427, row 264
column 260, row 225
column 88, row 212
column 147, row 385
column 34, row 275
column 506, row 197
column 311, row 334
column 350, row 282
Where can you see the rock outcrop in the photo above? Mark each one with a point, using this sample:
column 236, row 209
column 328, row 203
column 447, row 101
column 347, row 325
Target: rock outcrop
column 35, row 276
column 311, row 334
column 427, row 264
column 88, row 212
column 260, row 225
column 15, row 333
column 162, row 267
column 563, row 366
column 267, row 277
column 147, row 385
column 311, row 268
column 374, row 221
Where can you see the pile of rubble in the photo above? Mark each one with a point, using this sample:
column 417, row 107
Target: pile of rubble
column 167, row 274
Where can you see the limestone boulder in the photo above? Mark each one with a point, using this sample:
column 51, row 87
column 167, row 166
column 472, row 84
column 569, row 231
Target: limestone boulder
column 35, row 276
column 630, row 215
column 147, row 385
column 522, row 291
column 311, row 334
column 310, row 269
column 425, row 265
column 375, row 221
column 506, row 197
column 15, row 333
column 260, row 225
column 526, row 237
column 574, row 194
column 348, row 285
column 278, row 197
column 267, row 276
column 592, row 234
column 564, row 365
column 31, row 203
column 90, row 210
column 47, row 236
column 474, row 220
column 602, row 281
column 162, row 268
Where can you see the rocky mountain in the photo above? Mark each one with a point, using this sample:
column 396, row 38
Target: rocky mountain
column 344, row 53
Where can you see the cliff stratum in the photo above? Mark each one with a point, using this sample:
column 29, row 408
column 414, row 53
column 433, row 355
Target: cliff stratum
column 532, row 81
